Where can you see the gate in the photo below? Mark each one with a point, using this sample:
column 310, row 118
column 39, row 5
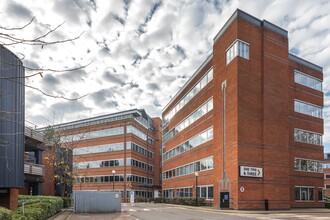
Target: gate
column 96, row 201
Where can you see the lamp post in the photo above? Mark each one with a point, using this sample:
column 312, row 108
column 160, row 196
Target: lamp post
column 113, row 180
column 196, row 175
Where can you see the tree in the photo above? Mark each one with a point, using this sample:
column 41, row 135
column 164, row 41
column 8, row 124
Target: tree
column 9, row 37
column 60, row 157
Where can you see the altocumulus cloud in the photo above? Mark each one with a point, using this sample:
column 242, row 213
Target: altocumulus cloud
column 144, row 50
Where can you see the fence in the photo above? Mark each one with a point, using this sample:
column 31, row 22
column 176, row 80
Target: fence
column 96, row 201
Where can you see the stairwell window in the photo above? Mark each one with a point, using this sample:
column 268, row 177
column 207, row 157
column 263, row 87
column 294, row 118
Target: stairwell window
column 238, row 48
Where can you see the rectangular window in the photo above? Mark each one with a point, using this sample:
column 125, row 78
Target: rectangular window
column 306, row 80
column 304, row 193
column 307, row 137
column 327, row 186
column 204, row 164
column 308, row 165
column 199, row 86
column 307, row 109
column 197, row 114
column 189, row 144
column 238, row 48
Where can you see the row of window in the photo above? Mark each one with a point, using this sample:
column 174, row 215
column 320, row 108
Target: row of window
column 308, row 165
column 137, row 132
column 307, row 80
column 326, row 165
column 116, row 178
column 238, row 48
column 98, row 149
column 197, row 114
column 202, row 192
column 98, row 164
column 306, row 193
column 205, row 192
column 327, row 176
column 307, row 137
column 307, row 109
column 184, row 192
column 139, row 149
column 93, row 134
column 139, row 164
column 189, row 144
column 204, row 164
column 199, row 86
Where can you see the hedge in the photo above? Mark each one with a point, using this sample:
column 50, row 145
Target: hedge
column 37, row 207
column 181, row 201
column 5, row 214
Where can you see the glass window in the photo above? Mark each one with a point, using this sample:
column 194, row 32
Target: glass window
column 306, row 80
column 238, row 48
column 308, row 109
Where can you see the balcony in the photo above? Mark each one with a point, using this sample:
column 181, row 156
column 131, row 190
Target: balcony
column 34, row 169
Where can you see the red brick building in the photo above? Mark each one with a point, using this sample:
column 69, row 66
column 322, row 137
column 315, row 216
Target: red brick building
column 117, row 151
column 249, row 122
column 326, row 170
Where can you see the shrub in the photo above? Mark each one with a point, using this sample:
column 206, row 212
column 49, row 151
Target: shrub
column 37, row 207
column 181, row 201
column 66, row 202
column 5, row 214
column 327, row 205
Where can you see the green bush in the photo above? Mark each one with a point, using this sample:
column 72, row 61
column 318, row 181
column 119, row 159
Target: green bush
column 66, row 202
column 181, row 201
column 5, row 214
column 327, row 205
column 37, row 207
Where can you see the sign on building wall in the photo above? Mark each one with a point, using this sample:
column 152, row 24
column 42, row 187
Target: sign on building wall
column 250, row 171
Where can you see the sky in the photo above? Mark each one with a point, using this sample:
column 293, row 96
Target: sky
column 141, row 52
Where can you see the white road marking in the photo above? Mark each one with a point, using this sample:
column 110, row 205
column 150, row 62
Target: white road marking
column 132, row 210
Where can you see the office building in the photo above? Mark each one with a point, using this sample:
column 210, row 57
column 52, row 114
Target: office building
column 11, row 127
column 246, row 128
column 326, row 171
column 119, row 151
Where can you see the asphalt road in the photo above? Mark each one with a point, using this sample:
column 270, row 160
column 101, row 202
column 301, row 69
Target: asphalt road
column 143, row 211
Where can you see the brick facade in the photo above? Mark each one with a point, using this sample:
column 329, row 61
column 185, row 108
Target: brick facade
column 100, row 178
column 253, row 120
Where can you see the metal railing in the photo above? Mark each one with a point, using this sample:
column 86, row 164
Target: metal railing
column 34, row 169
column 33, row 134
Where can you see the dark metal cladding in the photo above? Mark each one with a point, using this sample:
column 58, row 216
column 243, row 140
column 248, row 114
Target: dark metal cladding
column 12, row 99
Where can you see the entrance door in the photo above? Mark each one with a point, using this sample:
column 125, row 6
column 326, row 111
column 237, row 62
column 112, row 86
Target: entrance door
column 224, row 200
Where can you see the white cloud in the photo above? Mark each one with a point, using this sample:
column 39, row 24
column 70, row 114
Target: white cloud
column 144, row 51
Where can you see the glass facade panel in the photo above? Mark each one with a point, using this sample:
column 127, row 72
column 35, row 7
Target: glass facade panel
column 204, row 164
column 306, row 80
column 307, row 137
column 307, row 109
column 199, row 86
column 238, row 48
column 197, row 114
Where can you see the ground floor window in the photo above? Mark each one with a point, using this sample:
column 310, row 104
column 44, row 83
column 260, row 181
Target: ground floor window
column 169, row 193
column 320, row 193
column 327, row 186
column 184, row 192
column 205, row 192
column 304, row 193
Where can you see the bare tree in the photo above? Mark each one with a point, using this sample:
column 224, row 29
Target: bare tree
column 9, row 36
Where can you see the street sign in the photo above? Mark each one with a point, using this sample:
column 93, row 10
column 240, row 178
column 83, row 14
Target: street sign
column 251, row 171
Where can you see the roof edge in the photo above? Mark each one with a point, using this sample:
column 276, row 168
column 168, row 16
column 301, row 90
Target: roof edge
column 208, row 59
column 305, row 62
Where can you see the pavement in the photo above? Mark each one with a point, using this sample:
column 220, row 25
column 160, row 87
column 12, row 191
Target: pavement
column 129, row 212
